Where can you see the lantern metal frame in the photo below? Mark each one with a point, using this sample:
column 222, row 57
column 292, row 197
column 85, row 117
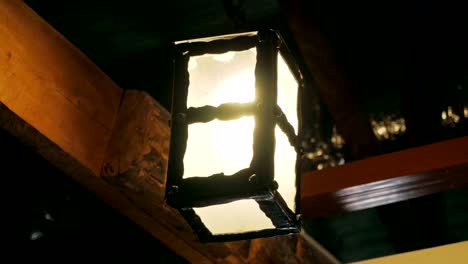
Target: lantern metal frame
column 257, row 181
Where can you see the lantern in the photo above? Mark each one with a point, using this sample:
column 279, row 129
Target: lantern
column 234, row 155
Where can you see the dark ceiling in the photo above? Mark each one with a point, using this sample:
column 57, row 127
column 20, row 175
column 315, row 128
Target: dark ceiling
column 386, row 49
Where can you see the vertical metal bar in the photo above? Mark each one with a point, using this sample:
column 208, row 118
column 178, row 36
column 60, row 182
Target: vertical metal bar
column 300, row 137
column 266, row 94
column 179, row 127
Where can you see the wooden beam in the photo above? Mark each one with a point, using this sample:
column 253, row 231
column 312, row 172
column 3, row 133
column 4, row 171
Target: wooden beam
column 55, row 100
column 54, row 87
column 386, row 178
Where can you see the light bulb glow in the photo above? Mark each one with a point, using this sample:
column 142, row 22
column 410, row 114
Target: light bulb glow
column 285, row 154
column 220, row 146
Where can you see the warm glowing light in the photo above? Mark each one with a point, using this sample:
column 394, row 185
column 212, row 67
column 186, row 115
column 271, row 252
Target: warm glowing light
column 381, row 130
column 226, row 146
column 222, row 78
column 285, row 154
column 336, row 139
column 444, row 115
column 235, row 217
column 455, row 118
column 388, row 128
column 287, row 92
column 395, row 127
column 285, row 168
column 225, row 57
column 465, row 111
column 220, row 146
column 238, row 88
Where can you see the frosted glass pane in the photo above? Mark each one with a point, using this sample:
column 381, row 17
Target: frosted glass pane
column 285, row 155
column 222, row 78
column 219, row 146
column 285, row 168
column 287, row 92
column 236, row 217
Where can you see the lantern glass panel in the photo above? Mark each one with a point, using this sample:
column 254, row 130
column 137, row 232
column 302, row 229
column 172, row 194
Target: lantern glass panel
column 287, row 92
column 236, row 217
column 219, row 147
column 285, row 154
column 222, row 78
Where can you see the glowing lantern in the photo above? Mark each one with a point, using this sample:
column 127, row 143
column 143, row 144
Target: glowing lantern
column 233, row 164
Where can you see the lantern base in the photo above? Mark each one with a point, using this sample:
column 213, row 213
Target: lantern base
column 262, row 216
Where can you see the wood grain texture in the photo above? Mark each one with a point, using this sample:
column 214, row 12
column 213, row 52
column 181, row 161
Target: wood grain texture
column 54, row 87
column 136, row 164
column 386, row 178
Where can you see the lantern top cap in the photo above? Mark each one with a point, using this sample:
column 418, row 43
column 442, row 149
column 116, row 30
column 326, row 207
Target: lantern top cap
column 219, row 37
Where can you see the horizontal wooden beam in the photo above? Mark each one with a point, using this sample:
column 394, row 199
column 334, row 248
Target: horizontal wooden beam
column 386, row 178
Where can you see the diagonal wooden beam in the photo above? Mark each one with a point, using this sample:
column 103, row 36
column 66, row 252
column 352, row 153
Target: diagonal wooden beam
column 53, row 86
